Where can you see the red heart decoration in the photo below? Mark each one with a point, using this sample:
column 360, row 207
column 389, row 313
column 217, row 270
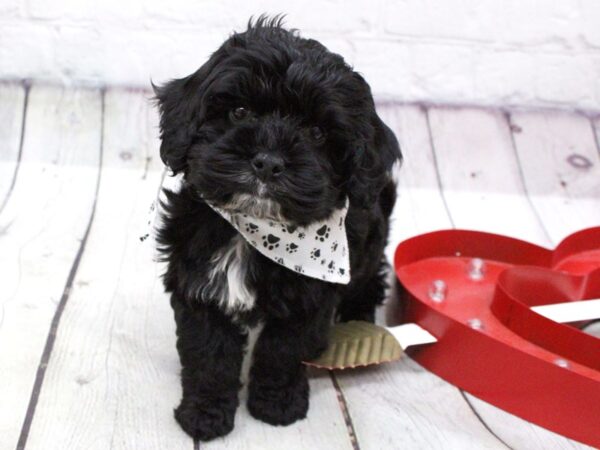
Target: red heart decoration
column 520, row 288
column 490, row 342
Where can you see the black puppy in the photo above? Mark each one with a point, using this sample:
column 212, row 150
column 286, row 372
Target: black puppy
column 273, row 126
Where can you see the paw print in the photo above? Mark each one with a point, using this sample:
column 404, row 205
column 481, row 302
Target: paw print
column 301, row 235
column 331, row 267
column 341, row 271
column 288, row 228
column 322, row 233
column 323, row 261
column 299, row 269
column 279, row 261
column 315, row 254
column 341, row 224
column 270, row 241
column 334, row 246
column 251, row 228
column 291, row 248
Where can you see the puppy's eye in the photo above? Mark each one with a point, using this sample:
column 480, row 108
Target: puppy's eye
column 239, row 113
column 317, row 133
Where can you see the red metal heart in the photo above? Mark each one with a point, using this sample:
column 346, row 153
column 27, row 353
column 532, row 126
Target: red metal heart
column 520, row 288
column 490, row 342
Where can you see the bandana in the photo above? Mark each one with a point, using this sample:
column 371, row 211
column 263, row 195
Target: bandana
column 318, row 250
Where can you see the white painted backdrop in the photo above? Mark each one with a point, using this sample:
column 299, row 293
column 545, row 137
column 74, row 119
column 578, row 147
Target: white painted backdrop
column 519, row 52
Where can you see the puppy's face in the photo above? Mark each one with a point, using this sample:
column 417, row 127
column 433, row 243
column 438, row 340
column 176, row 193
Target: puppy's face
column 276, row 126
column 270, row 142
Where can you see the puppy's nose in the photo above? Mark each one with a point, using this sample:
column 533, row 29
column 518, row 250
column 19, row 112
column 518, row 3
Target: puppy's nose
column 267, row 166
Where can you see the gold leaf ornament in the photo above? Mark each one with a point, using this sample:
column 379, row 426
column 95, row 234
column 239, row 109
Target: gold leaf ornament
column 355, row 343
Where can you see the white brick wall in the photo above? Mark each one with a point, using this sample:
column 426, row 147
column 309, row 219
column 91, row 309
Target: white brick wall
column 524, row 52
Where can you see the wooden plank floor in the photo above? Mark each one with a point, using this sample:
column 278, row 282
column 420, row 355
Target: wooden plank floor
column 87, row 354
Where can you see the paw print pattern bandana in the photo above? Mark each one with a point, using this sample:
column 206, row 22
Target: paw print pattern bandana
column 319, row 250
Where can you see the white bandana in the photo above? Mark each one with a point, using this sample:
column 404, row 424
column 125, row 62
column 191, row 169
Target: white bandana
column 318, row 250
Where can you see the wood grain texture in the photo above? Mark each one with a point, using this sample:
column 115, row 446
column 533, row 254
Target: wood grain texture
column 468, row 142
column 12, row 100
column 561, row 166
column 112, row 381
column 520, row 434
column 596, row 124
column 41, row 229
column 420, row 207
column 401, row 405
column 480, row 174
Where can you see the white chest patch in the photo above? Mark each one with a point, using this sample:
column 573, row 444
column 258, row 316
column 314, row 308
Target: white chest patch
column 226, row 280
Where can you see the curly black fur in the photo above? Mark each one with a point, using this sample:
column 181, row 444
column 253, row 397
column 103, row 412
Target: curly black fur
column 288, row 85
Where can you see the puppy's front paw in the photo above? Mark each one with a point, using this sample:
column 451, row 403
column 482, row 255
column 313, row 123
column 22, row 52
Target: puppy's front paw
column 279, row 406
column 206, row 419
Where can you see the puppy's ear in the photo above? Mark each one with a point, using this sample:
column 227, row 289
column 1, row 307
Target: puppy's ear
column 181, row 106
column 372, row 158
column 176, row 124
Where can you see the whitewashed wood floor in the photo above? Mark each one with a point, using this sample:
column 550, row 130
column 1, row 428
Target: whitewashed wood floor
column 87, row 353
